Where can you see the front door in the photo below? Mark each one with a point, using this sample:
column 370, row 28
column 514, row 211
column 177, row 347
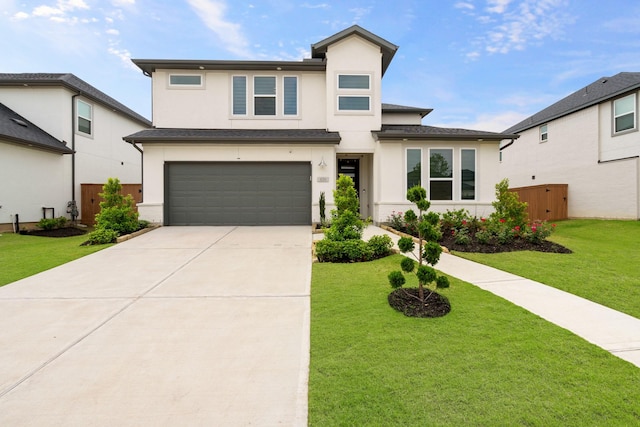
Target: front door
column 350, row 168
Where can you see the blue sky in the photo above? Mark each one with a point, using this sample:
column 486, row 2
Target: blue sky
column 480, row 64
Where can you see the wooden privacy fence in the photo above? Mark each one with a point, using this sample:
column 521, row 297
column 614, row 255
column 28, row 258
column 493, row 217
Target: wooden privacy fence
column 90, row 199
column 545, row 202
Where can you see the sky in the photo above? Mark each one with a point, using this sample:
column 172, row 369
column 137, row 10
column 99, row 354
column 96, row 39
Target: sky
column 480, row 64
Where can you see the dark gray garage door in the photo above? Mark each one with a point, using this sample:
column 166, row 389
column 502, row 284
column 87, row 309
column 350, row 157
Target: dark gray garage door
column 237, row 193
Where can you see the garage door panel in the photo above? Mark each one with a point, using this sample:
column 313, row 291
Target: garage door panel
column 238, row 193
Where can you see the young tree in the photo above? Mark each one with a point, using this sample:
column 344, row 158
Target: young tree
column 429, row 249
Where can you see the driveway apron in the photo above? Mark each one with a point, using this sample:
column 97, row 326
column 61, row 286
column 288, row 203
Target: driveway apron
column 198, row 326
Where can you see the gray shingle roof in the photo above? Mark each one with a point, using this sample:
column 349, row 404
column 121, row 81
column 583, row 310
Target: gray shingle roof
column 75, row 84
column 603, row 89
column 318, row 50
column 395, row 132
column 250, row 136
column 394, row 108
column 18, row 130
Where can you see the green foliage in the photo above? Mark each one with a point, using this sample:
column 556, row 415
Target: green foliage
column 429, row 250
column 323, row 213
column 380, row 245
column 461, row 237
column 407, row 265
column 101, row 236
column 345, row 196
column 442, row 282
column 508, row 207
column 396, row 279
column 51, row 223
column 346, row 226
column 116, row 211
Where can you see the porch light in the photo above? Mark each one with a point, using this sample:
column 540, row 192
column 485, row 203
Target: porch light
column 322, row 163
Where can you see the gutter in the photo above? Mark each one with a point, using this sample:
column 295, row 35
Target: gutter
column 73, row 147
column 509, row 144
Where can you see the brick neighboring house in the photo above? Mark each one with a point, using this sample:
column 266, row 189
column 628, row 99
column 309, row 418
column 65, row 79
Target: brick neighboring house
column 588, row 140
column 57, row 132
column 257, row 142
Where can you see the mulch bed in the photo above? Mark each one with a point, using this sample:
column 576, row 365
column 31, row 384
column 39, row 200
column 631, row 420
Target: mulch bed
column 516, row 245
column 406, row 301
column 56, row 232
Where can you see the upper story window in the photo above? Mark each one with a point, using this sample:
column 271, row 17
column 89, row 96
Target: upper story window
column 84, row 117
column 185, row 80
column 264, row 96
column 354, row 92
column 624, row 113
column 544, row 135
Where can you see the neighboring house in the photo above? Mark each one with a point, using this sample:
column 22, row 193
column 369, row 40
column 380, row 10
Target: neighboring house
column 56, row 133
column 257, row 142
column 588, row 140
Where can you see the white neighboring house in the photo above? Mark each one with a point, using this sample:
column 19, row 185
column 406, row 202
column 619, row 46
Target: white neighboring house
column 257, row 142
column 588, row 140
column 56, row 133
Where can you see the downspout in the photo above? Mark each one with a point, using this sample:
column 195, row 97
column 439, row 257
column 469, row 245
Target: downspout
column 133, row 143
column 73, row 147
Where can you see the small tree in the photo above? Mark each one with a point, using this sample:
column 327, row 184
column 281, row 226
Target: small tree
column 429, row 249
column 117, row 214
column 345, row 222
column 508, row 207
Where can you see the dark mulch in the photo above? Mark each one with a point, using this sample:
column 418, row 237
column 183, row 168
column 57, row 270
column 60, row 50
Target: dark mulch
column 406, row 301
column 517, row 245
column 57, row 232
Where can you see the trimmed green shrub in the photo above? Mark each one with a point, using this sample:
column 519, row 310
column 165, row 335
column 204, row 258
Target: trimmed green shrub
column 51, row 223
column 396, row 279
column 380, row 245
column 101, row 236
column 116, row 211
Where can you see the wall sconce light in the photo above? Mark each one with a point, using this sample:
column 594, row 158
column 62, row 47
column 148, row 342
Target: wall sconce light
column 322, row 163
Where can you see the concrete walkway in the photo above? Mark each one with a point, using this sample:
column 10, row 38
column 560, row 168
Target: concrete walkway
column 611, row 330
column 200, row 326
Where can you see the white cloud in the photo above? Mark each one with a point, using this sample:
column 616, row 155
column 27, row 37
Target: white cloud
column 46, row 11
column 315, row 6
column 120, row 3
column 464, row 5
column 113, row 32
column 497, row 6
column 516, row 25
column 360, row 12
column 212, row 12
column 20, row 16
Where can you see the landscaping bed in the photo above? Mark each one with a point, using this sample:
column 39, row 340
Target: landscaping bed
column 56, row 232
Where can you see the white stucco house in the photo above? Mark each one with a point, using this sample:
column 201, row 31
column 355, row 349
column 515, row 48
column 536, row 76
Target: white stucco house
column 588, row 140
column 257, row 142
column 56, row 133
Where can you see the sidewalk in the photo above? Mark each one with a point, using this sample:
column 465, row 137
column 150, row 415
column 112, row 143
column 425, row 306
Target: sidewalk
column 611, row 330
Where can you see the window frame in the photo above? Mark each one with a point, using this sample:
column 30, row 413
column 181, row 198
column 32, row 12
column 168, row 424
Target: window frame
column 185, row 85
column 406, row 166
column 475, row 174
column 233, row 95
column 543, row 132
column 274, row 96
column 634, row 112
column 284, row 96
column 451, row 179
column 354, row 92
column 88, row 119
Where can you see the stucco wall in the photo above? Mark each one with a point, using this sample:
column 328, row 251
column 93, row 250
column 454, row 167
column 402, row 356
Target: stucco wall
column 209, row 107
column 156, row 155
column 32, row 179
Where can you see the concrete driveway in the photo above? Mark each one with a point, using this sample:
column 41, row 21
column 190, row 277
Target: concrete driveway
column 197, row 326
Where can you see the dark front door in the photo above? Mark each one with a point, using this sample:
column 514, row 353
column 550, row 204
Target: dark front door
column 351, row 168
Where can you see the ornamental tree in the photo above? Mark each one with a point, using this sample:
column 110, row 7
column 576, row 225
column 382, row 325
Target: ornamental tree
column 429, row 249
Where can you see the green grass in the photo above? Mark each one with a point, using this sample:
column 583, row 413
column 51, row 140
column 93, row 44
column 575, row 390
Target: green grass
column 604, row 268
column 23, row 256
column 487, row 363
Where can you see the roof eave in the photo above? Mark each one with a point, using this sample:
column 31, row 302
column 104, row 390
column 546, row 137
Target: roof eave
column 148, row 66
column 36, row 145
column 229, row 140
column 398, row 136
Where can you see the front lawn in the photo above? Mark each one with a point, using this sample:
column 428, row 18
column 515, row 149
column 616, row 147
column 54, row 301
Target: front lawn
column 23, row 256
column 604, row 266
column 488, row 362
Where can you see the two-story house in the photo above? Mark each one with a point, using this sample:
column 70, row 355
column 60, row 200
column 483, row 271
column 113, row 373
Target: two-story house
column 257, row 142
column 588, row 140
column 56, row 133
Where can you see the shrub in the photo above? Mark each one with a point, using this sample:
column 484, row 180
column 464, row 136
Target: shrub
column 322, row 205
column 51, row 223
column 345, row 196
column 380, row 245
column 396, row 279
column 101, row 236
column 346, row 226
column 461, row 236
column 508, row 206
column 116, row 211
column 343, row 251
column 396, row 221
